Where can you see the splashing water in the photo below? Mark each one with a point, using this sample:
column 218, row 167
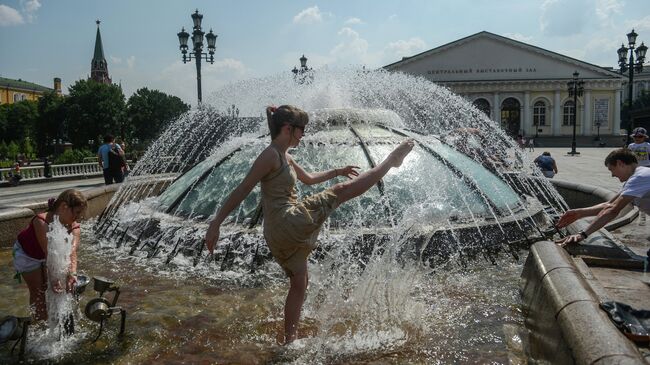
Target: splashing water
column 357, row 303
column 59, row 304
column 55, row 340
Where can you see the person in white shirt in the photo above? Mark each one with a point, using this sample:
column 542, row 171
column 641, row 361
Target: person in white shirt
column 622, row 163
column 640, row 147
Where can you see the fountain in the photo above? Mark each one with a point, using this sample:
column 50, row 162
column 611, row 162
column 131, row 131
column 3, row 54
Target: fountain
column 431, row 250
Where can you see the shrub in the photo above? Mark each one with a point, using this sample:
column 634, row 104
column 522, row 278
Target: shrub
column 73, row 156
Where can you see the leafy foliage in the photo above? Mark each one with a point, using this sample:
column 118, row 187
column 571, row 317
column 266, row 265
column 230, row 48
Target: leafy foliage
column 149, row 111
column 17, row 119
column 73, row 156
column 92, row 110
column 50, row 122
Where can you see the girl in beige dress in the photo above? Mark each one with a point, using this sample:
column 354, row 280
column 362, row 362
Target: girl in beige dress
column 291, row 226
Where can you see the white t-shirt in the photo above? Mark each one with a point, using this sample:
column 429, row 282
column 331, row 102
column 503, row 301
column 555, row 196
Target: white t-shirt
column 638, row 186
column 642, row 152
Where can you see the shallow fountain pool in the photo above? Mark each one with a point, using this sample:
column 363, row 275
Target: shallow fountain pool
column 424, row 268
column 459, row 315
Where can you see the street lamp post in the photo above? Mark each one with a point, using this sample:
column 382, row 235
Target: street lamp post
column 575, row 87
column 197, row 51
column 304, row 73
column 631, row 67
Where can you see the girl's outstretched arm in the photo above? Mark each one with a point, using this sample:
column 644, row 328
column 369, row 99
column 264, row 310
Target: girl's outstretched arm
column 265, row 163
column 72, row 270
column 311, row 178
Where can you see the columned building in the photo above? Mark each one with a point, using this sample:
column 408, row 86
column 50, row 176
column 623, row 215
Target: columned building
column 640, row 85
column 522, row 87
column 99, row 66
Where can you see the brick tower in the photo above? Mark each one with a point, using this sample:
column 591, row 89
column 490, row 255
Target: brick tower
column 98, row 66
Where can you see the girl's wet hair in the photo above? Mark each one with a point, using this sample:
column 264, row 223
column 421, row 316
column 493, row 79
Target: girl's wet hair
column 73, row 198
column 285, row 114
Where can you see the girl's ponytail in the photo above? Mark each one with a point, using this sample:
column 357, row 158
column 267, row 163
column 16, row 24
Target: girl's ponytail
column 284, row 114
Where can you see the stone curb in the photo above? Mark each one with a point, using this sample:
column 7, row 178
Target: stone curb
column 555, row 291
column 12, row 220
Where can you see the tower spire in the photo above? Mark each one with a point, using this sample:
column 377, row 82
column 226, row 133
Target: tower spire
column 99, row 66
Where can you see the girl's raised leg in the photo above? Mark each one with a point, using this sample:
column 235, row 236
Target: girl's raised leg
column 355, row 187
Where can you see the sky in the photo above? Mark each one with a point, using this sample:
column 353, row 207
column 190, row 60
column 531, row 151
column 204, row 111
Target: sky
column 43, row 39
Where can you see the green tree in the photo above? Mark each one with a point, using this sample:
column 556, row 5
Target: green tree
column 20, row 119
column 27, row 148
column 50, row 122
column 149, row 111
column 92, row 110
column 13, row 150
column 4, row 151
column 4, row 112
column 73, row 156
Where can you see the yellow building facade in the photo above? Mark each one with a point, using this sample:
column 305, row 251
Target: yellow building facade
column 13, row 91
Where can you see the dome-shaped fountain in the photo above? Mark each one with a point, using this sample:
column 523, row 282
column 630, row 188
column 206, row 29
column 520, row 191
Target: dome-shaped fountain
column 399, row 270
column 454, row 206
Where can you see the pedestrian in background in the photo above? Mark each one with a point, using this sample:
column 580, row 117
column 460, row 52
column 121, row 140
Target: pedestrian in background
column 547, row 164
column 125, row 166
column 110, row 156
column 531, row 145
column 640, row 147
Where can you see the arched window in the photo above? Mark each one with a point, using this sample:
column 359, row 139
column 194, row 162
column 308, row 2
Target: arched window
column 19, row 97
column 569, row 111
column 511, row 116
column 539, row 113
column 482, row 105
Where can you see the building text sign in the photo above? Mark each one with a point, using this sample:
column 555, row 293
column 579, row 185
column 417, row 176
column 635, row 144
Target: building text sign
column 601, row 112
column 482, row 70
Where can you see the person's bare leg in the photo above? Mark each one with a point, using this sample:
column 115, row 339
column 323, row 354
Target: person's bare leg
column 293, row 305
column 37, row 287
column 352, row 188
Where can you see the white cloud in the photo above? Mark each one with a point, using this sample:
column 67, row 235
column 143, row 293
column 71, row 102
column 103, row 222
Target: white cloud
column 352, row 42
column 392, row 17
column 639, row 25
column 9, row 16
column 174, row 81
column 519, row 37
column 564, row 17
column 353, row 21
column 352, row 48
column 606, row 8
column 402, row 47
column 229, row 64
column 30, row 7
column 115, row 60
column 309, row 16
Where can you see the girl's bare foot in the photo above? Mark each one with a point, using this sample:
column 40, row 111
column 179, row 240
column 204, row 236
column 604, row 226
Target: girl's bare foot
column 396, row 157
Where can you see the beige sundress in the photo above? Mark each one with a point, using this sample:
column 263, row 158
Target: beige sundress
column 291, row 227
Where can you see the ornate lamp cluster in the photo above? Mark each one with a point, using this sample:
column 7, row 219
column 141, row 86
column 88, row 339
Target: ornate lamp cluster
column 575, row 87
column 197, row 53
column 629, row 65
column 304, row 73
